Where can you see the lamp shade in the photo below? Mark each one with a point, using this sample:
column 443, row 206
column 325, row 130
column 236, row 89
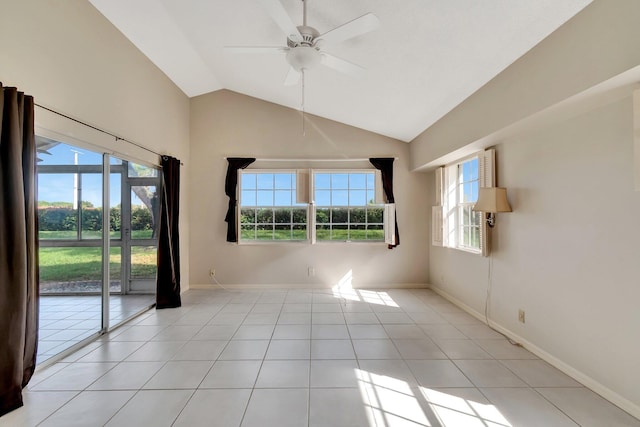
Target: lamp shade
column 492, row 199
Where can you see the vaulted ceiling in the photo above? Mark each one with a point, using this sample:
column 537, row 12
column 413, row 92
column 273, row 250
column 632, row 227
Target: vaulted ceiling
column 425, row 58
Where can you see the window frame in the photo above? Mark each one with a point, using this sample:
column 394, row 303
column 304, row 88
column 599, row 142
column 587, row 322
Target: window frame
column 304, row 193
column 377, row 187
column 447, row 215
column 295, row 195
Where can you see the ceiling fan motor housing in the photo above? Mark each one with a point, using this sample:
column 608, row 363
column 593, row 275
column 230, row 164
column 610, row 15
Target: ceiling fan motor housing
column 304, row 55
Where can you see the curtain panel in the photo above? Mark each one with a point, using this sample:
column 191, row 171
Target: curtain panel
column 230, row 189
column 168, row 281
column 385, row 166
column 19, row 286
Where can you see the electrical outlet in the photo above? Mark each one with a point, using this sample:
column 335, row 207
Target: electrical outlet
column 311, row 271
column 521, row 316
column 212, row 272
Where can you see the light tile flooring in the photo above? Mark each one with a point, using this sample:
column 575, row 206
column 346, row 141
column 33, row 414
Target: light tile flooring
column 308, row 358
column 65, row 320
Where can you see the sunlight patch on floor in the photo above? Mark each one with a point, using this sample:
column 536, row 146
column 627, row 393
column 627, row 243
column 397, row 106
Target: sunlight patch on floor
column 394, row 403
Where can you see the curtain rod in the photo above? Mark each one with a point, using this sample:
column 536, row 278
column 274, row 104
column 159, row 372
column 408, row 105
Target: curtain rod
column 118, row 138
column 313, row 160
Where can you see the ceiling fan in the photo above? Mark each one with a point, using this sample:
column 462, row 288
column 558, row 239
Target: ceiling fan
column 304, row 49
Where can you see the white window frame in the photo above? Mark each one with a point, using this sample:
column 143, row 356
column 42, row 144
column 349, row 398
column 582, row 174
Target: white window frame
column 297, row 194
column 305, row 192
column 446, row 215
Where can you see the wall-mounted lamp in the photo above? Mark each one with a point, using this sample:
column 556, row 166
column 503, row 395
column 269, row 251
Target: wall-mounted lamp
column 490, row 201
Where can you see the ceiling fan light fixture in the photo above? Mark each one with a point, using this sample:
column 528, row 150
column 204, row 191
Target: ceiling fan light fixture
column 303, row 57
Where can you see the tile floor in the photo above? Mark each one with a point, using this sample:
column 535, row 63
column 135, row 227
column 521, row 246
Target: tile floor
column 65, row 320
column 308, row 358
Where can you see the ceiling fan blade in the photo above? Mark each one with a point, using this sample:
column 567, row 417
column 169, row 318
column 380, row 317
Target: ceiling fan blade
column 256, row 49
column 282, row 18
column 342, row 65
column 351, row 29
column 292, row 77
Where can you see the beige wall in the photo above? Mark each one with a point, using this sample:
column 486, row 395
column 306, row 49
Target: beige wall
column 568, row 254
column 225, row 123
column 561, row 119
column 71, row 59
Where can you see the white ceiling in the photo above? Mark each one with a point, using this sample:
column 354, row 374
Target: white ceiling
column 426, row 57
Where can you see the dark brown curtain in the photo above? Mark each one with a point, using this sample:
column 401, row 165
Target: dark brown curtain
column 168, row 282
column 230, row 185
column 18, row 247
column 385, row 166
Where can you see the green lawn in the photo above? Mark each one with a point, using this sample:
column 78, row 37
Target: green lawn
column 339, row 235
column 77, row 264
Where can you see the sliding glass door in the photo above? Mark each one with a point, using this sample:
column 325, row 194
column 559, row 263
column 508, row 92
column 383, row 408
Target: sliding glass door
column 71, row 231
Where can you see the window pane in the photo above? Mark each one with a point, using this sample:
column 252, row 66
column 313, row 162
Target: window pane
column 350, row 197
column 283, row 181
column 144, row 211
column 91, row 206
column 371, row 197
column 357, row 181
column 375, row 215
column 323, row 216
column 371, row 180
column 264, row 232
column 322, row 180
column 248, row 198
column 340, row 198
column 265, row 198
column 299, row 232
column 340, row 232
column 357, row 232
column 248, row 181
column 265, row 181
column 323, row 232
column 339, row 215
column 323, row 197
column 57, row 215
column 282, row 232
column 375, row 232
column 247, row 216
column 277, row 190
column 357, row 197
column 300, row 216
column 339, row 181
column 247, row 232
column 265, row 216
column 282, row 216
column 357, row 215
column 134, row 170
column 283, row 197
column 469, row 192
column 143, row 262
column 52, row 152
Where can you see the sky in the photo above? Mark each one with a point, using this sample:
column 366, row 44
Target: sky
column 331, row 189
column 59, row 187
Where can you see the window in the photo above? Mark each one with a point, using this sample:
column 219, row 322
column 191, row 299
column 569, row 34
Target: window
column 274, row 205
column 268, row 207
column 345, row 206
column 455, row 224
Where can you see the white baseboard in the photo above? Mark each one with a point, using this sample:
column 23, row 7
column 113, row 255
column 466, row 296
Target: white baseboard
column 577, row 375
column 308, row 286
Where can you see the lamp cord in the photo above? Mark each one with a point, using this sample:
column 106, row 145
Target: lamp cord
column 487, row 299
